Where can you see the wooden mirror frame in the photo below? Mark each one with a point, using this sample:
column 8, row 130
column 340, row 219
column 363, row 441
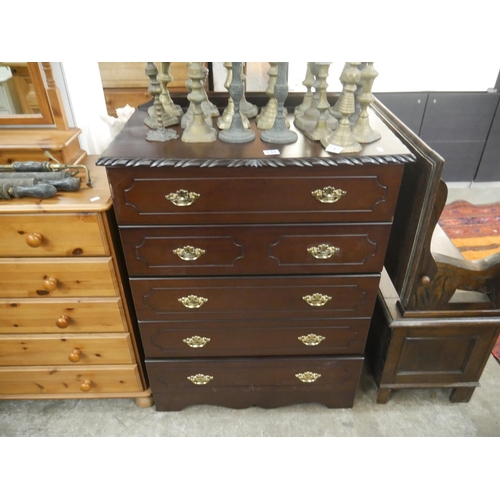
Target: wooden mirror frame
column 46, row 116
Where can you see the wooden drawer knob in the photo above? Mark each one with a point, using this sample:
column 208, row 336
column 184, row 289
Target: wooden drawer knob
column 62, row 322
column 75, row 355
column 34, row 240
column 50, row 284
column 86, row 385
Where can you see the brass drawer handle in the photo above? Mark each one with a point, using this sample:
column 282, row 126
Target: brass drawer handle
column 192, row 301
column 34, row 240
column 196, row 341
column 189, row 253
column 63, row 321
column 311, row 339
column 317, row 299
column 86, row 385
column 200, row 379
column 308, row 377
column 328, row 194
column 182, row 198
column 50, row 284
column 323, row 251
column 75, row 356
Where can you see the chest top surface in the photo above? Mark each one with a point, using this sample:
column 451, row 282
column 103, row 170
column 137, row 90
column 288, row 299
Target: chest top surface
column 130, row 149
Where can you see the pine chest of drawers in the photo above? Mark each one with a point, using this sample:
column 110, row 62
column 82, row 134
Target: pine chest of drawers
column 65, row 327
column 253, row 277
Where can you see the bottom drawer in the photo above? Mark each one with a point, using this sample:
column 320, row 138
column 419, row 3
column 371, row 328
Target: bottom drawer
column 69, row 380
column 264, row 382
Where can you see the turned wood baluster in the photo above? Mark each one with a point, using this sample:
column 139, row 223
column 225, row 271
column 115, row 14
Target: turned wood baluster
column 55, row 99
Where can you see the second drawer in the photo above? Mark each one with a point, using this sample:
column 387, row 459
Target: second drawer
column 255, row 249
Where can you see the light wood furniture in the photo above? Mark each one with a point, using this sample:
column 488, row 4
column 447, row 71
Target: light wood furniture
column 126, row 83
column 253, row 277
column 437, row 316
column 44, row 125
column 66, row 330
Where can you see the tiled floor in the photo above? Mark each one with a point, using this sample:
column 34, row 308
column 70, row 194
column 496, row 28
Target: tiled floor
column 408, row 413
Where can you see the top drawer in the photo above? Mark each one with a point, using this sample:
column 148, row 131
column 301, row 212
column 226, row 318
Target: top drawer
column 146, row 195
column 52, row 235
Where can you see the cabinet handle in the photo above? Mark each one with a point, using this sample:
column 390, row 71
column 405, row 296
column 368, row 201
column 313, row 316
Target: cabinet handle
column 311, row 339
column 328, row 194
column 196, row 341
column 189, row 253
column 192, row 301
column 86, row 385
column 308, row 377
column 323, row 251
column 34, row 240
column 182, row 198
column 74, row 357
column 200, row 379
column 317, row 299
column 62, row 322
column 50, row 284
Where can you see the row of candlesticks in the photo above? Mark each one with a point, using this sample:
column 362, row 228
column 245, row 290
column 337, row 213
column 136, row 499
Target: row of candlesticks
column 344, row 126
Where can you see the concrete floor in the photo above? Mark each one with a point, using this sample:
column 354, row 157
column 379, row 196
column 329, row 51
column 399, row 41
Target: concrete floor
column 409, row 412
column 422, row 412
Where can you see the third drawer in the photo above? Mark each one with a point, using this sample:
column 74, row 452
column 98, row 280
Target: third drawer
column 254, row 338
column 244, row 298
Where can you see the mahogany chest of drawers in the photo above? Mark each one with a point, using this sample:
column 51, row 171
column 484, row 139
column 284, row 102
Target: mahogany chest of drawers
column 254, row 277
column 65, row 327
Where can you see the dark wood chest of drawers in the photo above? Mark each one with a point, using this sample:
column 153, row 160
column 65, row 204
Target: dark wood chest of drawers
column 254, row 277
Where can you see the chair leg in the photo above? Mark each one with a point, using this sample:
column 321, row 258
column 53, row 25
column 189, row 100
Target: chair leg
column 461, row 394
column 383, row 396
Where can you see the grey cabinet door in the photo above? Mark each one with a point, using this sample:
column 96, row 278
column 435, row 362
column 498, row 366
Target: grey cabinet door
column 409, row 107
column 489, row 167
column 458, row 116
column 457, row 124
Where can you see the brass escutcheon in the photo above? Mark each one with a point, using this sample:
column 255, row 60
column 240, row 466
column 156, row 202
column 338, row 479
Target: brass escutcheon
column 328, row 194
column 200, row 379
column 182, row 198
column 311, row 339
column 196, row 341
column 317, row 299
column 189, row 253
column 192, row 301
column 308, row 377
column 323, row 251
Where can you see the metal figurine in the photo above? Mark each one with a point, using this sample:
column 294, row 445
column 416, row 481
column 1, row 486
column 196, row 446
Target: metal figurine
column 198, row 130
column 308, row 119
column 224, row 121
column 308, row 84
column 168, row 115
column 362, row 130
column 343, row 136
column 246, row 108
column 265, row 120
column 279, row 133
column 159, row 133
column 236, row 133
column 322, row 128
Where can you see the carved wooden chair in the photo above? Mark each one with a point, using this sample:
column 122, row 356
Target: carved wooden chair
column 437, row 315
